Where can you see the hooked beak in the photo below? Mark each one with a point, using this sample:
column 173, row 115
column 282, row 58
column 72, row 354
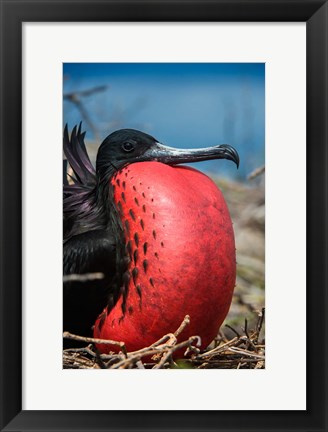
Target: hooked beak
column 173, row 156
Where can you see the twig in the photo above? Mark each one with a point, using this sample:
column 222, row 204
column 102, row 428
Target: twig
column 261, row 320
column 175, row 348
column 241, row 352
column 83, row 277
column 258, row 171
column 183, row 325
column 67, row 335
column 246, row 353
column 245, row 330
column 140, row 365
column 259, row 324
column 76, row 99
column 99, row 359
column 232, row 329
column 218, row 349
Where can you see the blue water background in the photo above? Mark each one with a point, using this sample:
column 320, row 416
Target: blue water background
column 185, row 105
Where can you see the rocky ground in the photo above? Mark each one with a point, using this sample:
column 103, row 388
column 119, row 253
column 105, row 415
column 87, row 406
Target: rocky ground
column 246, row 202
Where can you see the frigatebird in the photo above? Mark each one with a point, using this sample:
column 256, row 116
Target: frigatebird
column 159, row 233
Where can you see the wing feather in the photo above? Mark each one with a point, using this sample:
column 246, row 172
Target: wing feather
column 82, row 211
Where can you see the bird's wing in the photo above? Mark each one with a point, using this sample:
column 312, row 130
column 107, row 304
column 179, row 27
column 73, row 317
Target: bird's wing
column 89, row 270
column 89, row 248
column 93, row 251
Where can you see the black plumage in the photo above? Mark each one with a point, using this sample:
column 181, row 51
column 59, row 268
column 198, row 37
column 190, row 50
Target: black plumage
column 90, row 242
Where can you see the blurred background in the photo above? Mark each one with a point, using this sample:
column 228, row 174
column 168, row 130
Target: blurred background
column 189, row 105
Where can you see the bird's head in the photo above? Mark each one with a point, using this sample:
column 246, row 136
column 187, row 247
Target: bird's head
column 128, row 146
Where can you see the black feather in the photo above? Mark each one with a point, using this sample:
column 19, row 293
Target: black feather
column 82, row 210
column 93, row 239
column 77, row 156
column 91, row 252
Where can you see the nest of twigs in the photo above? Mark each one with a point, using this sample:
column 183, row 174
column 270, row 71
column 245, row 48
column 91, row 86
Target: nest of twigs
column 245, row 350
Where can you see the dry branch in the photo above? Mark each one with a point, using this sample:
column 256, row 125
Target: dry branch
column 258, row 171
column 85, row 277
column 244, row 351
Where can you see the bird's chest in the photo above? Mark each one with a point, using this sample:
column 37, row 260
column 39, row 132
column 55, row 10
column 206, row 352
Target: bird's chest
column 179, row 237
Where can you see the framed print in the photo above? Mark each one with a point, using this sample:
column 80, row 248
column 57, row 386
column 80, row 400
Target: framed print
column 46, row 44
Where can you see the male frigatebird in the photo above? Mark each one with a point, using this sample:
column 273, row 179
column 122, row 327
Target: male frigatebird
column 160, row 234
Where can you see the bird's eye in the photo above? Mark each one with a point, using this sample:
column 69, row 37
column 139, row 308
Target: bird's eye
column 127, row 146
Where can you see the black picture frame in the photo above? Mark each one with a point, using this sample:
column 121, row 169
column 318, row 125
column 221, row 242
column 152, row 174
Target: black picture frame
column 13, row 14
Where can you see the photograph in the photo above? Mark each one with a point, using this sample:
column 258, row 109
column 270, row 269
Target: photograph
column 163, row 215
